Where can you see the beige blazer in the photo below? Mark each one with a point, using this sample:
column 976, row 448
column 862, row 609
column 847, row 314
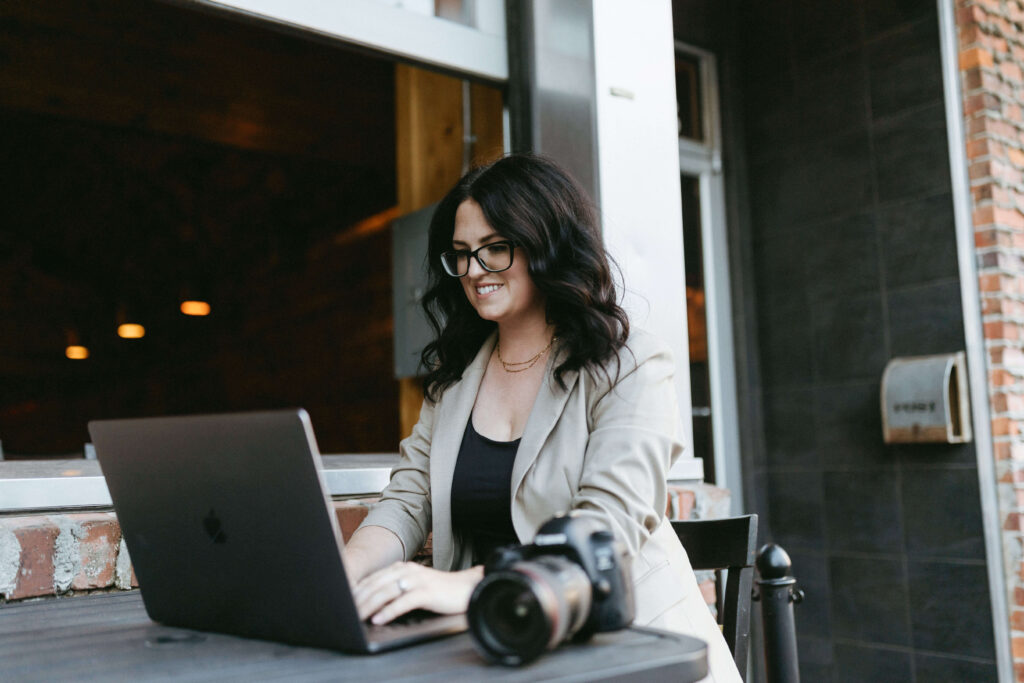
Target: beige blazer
column 600, row 446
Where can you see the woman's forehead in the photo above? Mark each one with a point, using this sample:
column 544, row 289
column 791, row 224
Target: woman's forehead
column 470, row 225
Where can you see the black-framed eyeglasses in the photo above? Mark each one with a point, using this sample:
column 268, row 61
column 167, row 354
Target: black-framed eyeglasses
column 494, row 258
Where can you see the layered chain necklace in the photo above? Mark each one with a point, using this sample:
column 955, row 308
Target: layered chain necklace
column 523, row 365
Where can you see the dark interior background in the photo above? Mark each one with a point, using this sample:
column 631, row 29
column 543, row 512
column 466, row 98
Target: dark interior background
column 844, row 256
column 153, row 152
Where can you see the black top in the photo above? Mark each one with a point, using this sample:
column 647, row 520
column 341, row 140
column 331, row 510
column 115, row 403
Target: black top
column 482, row 493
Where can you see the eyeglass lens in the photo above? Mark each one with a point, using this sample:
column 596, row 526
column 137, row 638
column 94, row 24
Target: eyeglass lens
column 492, row 257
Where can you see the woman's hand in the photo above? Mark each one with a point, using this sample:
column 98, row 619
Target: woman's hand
column 405, row 586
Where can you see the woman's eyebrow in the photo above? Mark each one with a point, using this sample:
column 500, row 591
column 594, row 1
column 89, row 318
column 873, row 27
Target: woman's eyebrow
column 484, row 240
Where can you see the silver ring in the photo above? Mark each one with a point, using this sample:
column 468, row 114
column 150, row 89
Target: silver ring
column 403, row 585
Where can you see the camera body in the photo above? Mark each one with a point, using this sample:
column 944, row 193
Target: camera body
column 573, row 581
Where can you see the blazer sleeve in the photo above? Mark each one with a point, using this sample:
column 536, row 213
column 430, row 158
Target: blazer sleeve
column 404, row 507
column 634, row 439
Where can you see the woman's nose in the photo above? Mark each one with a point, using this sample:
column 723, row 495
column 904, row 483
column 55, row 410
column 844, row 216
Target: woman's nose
column 474, row 264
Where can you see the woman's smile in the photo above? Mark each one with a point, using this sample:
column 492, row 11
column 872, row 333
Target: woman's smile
column 485, row 290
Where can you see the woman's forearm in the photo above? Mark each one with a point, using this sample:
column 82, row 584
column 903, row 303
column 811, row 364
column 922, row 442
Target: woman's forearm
column 371, row 548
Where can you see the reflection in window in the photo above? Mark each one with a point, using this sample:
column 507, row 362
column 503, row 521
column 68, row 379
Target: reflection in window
column 688, row 99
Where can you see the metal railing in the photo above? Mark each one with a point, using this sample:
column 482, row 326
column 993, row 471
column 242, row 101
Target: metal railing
column 777, row 593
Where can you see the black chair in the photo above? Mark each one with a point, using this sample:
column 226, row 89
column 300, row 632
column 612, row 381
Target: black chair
column 726, row 544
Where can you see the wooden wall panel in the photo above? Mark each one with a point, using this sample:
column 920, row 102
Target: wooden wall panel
column 430, row 157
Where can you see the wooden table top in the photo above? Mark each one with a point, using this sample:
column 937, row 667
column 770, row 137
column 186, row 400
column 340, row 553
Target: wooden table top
column 110, row 638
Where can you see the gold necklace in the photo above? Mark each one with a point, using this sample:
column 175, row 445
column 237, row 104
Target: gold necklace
column 529, row 363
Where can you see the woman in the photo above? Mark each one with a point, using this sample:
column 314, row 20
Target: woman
column 538, row 400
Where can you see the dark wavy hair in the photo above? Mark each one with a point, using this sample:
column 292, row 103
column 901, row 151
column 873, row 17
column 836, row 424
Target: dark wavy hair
column 532, row 201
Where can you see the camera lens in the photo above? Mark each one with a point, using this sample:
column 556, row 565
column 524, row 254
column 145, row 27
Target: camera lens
column 517, row 614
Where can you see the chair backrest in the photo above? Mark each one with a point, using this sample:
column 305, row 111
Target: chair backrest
column 726, row 544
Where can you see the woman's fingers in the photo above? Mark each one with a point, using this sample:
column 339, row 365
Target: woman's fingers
column 405, row 602
column 405, row 586
column 383, row 587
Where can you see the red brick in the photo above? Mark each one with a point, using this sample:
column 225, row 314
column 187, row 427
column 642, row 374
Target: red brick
column 1018, row 596
column 1010, row 71
column 997, row 45
column 990, row 282
column 1017, row 620
column 980, row 169
column 350, row 516
column 1004, row 426
column 1011, row 218
column 982, row 101
column 970, row 32
column 986, row 125
column 1000, row 329
column 979, row 148
column 1001, row 378
column 975, row 56
column 1005, row 172
column 1012, row 522
column 98, row 544
column 681, row 502
column 987, row 237
column 968, row 17
column 1003, row 197
column 1018, row 649
column 36, row 536
column 984, row 216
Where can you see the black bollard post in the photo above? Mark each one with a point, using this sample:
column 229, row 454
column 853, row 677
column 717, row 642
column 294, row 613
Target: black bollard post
column 777, row 592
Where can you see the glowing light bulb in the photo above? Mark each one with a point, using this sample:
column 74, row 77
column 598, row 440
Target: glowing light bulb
column 131, row 331
column 195, row 308
column 75, row 352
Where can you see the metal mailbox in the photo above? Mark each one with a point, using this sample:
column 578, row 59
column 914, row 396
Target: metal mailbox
column 925, row 400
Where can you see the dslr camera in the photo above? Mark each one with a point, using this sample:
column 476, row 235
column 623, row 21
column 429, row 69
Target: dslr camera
column 571, row 582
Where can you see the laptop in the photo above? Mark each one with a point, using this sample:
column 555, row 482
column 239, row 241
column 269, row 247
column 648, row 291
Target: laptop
column 231, row 529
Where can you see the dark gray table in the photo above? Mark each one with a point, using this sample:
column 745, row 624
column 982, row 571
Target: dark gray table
column 110, row 638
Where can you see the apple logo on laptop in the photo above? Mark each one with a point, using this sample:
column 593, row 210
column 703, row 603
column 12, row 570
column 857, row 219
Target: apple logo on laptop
column 211, row 523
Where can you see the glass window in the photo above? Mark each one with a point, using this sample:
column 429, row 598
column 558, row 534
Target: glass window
column 688, row 97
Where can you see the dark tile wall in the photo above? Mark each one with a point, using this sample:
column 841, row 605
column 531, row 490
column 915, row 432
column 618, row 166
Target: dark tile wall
column 854, row 255
column 843, row 227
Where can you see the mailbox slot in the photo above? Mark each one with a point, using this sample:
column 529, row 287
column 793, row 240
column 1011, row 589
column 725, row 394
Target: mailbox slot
column 925, row 400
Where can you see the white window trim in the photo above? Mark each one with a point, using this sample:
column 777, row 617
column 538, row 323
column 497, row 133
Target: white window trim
column 704, row 161
column 390, row 29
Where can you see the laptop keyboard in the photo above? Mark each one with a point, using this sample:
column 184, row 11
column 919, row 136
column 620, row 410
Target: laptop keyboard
column 404, row 622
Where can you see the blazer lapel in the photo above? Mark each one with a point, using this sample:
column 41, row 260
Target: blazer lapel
column 547, row 409
column 454, row 410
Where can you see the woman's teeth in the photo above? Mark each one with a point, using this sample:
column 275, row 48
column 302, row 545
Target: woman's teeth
column 487, row 289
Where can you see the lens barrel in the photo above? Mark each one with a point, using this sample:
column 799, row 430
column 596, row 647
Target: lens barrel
column 517, row 614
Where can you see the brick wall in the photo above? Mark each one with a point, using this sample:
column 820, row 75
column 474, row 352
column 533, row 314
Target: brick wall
column 73, row 553
column 68, row 554
column 991, row 36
